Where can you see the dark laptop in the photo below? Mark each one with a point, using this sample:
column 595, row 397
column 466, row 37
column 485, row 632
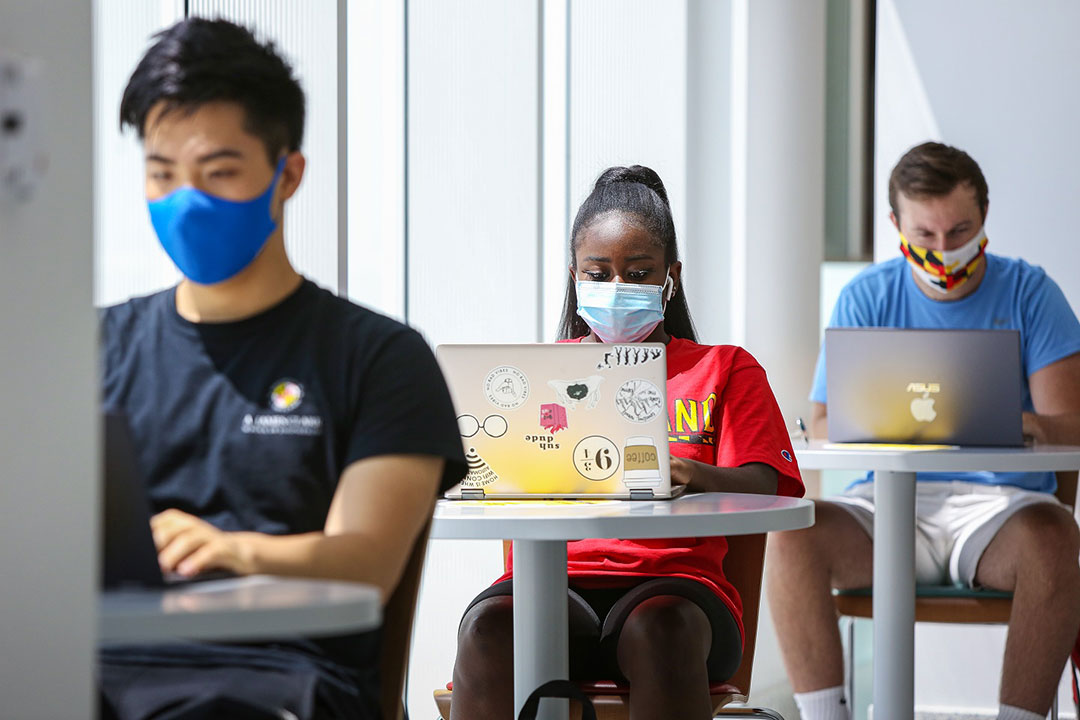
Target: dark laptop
column 954, row 387
column 129, row 555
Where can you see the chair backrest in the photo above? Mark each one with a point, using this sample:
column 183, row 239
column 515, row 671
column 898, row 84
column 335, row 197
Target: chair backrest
column 743, row 567
column 398, row 617
column 1066, row 487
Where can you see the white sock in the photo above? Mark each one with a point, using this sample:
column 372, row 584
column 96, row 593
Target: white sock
column 827, row 704
column 1008, row 712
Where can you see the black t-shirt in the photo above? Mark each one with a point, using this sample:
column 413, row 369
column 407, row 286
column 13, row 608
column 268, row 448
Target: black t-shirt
column 250, row 424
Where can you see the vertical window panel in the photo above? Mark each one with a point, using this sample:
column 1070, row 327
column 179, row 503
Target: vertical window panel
column 473, row 214
column 128, row 260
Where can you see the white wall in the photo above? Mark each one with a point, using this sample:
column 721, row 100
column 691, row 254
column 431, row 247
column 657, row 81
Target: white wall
column 48, row 438
column 998, row 80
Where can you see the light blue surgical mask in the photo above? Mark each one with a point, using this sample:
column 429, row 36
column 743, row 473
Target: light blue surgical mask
column 211, row 239
column 622, row 312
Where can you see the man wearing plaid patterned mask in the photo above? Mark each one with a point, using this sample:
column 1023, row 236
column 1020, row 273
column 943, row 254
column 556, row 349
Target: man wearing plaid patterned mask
column 1005, row 531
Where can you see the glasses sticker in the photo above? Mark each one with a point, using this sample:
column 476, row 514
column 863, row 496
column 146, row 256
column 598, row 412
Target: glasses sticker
column 494, row 426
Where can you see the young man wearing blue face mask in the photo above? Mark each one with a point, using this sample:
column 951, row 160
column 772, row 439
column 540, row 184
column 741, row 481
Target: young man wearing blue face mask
column 998, row 530
column 279, row 428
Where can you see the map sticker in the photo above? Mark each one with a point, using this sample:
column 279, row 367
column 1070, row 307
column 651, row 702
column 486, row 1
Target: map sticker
column 639, row 400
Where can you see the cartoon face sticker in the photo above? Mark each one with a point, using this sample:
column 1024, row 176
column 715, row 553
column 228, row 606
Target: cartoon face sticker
column 571, row 392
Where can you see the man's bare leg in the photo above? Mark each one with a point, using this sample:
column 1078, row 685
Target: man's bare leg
column 1034, row 555
column 802, row 567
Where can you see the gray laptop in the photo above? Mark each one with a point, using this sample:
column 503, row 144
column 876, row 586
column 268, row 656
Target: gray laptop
column 129, row 558
column 955, row 387
column 566, row 421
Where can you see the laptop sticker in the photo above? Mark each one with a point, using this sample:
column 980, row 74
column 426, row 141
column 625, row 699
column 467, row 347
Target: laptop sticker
column 571, row 392
column 480, row 473
column 641, row 463
column 506, row 387
column 553, row 417
column 494, row 426
column 639, row 400
column 596, row 457
column 544, row 442
column 628, row 356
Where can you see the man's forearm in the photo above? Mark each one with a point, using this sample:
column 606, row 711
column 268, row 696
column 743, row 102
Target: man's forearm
column 348, row 556
column 1061, row 429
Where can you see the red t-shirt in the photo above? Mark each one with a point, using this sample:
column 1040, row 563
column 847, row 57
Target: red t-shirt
column 721, row 411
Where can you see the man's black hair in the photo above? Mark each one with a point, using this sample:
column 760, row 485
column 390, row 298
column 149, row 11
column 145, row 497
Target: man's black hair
column 199, row 61
column 638, row 193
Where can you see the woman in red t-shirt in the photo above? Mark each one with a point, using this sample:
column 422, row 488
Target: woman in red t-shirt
column 656, row 613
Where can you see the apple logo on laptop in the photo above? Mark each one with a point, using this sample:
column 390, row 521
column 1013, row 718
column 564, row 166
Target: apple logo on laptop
column 922, row 409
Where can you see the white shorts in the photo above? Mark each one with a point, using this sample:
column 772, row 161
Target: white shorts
column 954, row 523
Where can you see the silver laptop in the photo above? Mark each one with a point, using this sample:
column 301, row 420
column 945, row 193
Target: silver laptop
column 563, row 420
column 955, row 387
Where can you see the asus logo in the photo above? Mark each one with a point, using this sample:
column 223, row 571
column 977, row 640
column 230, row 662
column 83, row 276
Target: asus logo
column 924, row 387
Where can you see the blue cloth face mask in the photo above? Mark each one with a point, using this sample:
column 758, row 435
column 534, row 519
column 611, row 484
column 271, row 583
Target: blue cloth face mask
column 209, row 238
column 622, row 312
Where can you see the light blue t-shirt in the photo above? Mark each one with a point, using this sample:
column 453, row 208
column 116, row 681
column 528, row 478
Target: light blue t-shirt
column 1013, row 295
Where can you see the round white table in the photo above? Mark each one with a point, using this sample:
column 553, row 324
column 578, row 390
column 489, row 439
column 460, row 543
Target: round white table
column 540, row 531
column 894, row 539
column 257, row 607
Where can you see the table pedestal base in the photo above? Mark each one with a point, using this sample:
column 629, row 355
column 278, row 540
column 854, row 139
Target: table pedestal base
column 894, row 595
column 541, row 626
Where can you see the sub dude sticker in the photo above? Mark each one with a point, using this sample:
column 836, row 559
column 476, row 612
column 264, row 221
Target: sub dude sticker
column 571, row 392
column 596, row 457
column 639, row 401
column 506, row 387
column 628, row 356
column 553, row 417
column 480, row 473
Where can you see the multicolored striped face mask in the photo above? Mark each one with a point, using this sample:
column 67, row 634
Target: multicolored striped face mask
column 945, row 270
